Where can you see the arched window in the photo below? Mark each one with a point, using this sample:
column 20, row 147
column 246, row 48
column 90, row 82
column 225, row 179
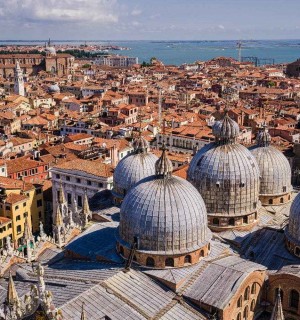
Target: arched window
column 247, row 293
column 281, row 200
column 252, row 308
column 188, row 259
column 246, row 313
column 239, row 302
column 169, row 262
column 239, row 317
column 294, row 299
column 202, row 253
column 253, row 288
column 150, row 262
column 289, row 197
column 121, row 251
column 270, row 201
column 231, row 222
column 216, row 221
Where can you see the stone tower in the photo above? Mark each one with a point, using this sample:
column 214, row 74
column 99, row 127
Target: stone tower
column 19, row 81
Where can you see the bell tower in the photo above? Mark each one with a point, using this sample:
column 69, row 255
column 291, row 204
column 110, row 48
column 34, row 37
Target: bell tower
column 19, row 81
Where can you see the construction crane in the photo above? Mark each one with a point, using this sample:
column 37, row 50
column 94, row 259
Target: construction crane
column 239, row 47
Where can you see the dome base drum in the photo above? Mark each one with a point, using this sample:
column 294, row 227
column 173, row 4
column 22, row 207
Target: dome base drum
column 155, row 260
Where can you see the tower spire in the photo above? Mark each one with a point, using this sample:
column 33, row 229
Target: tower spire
column 163, row 166
column 86, row 208
column 277, row 313
column 83, row 314
column 61, row 198
column 12, row 296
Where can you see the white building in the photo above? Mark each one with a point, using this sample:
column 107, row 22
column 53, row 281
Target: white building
column 116, row 61
column 79, row 176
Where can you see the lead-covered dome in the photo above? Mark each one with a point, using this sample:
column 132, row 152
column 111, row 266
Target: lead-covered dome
column 292, row 232
column 275, row 171
column 227, row 176
column 134, row 167
column 167, row 216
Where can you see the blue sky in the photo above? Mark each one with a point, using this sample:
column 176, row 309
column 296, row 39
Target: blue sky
column 150, row 19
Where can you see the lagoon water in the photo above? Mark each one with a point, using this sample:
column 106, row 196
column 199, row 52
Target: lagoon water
column 179, row 52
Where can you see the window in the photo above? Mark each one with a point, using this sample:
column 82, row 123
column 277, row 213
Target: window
column 69, row 198
column 7, row 207
column 169, row 262
column 79, row 201
column 16, row 207
column 19, row 229
column 281, row 200
column 239, row 316
column 294, row 299
column 100, row 185
column 216, row 221
column 67, row 178
column 188, row 259
column 246, row 313
column 39, row 202
column 245, row 219
column 18, row 218
column 242, row 184
column 25, row 215
column 284, row 189
column 239, row 302
column 202, row 253
column 252, row 308
column 150, row 262
column 24, row 204
column 270, row 201
column 89, row 182
column 231, row 222
column 253, row 288
column 9, row 226
column 247, row 293
column 40, row 215
column 78, row 180
column 57, row 176
column 38, row 191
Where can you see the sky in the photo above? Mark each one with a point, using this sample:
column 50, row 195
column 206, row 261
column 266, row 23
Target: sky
column 149, row 19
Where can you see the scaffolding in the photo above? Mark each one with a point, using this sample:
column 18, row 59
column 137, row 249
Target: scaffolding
column 259, row 61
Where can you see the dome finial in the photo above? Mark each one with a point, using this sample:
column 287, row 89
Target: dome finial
column 263, row 138
column 163, row 166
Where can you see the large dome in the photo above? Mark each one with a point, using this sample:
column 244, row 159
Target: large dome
column 227, row 177
column 292, row 232
column 166, row 214
column 275, row 171
column 134, row 167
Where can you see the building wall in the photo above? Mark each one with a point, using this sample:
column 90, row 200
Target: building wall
column 242, row 301
column 287, row 283
column 17, row 212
